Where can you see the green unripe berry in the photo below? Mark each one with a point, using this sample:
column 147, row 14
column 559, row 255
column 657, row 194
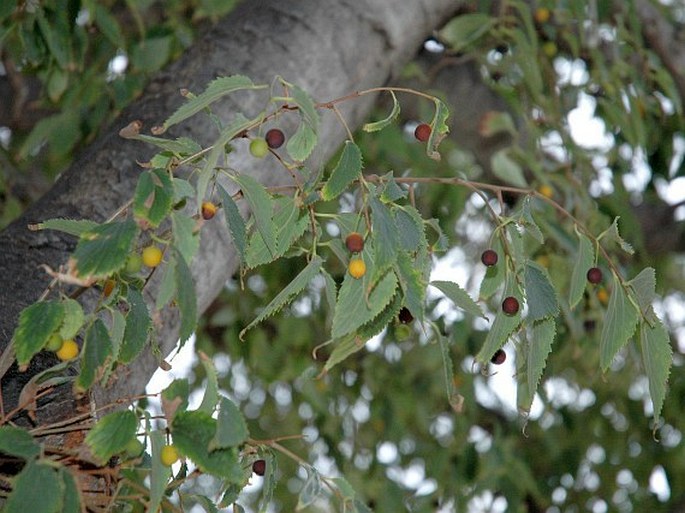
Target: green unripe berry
column 54, row 342
column 134, row 264
column 259, row 148
column 133, row 448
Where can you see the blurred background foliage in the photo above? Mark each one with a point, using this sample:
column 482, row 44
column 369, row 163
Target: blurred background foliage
column 382, row 418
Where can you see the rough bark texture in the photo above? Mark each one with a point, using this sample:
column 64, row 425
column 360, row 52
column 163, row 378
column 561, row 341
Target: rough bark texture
column 328, row 47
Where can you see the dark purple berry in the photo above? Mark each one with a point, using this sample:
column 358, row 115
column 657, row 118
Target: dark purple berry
column 423, row 132
column 594, row 275
column 259, row 467
column 275, row 138
column 405, row 315
column 510, row 305
column 499, row 357
column 489, row 257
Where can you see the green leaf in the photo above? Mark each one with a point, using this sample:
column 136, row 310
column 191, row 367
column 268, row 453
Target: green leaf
column 494, row 276
column 216, row 89
column 36, row 324
column 117, row 332
column 466, row 29
column 73, row 319
column 583, row 261
column 502, row 328
column 72, row 494
column 347, row 493
column 344, row 347
column 185, row 240
column 18, row 442
column 454, row 399
column 386, row 239
column 347, row 170
column 526, row 220
column 235, row 222
column 151, row 53
column 541, row 338
column 611, row 235
column 355, row 309
column 153, row 197
column 311, row 489
column 159, row 474
column 540, row 294
column 167, row 285
column 619, row 325
column 38, row 485
column 507, row 169
column 211, row 396
column 381, row 124
column 71, row 226
column 261, row 205
column 111, row 434
column 382, row 320
column 108, row 25
column 459, row 297
column 138, row 326
column 270, row 480
column 410, row 228
column 413, row 285
column 657, row 357
column 286, row 295
column 301, row 144
column 390, row 191
column 193, row 433
column 644, row 287
column 439, row 129
column 231, row 430
column 306, row 105
column 97, row 349
column 186, row 298
column 105, row 249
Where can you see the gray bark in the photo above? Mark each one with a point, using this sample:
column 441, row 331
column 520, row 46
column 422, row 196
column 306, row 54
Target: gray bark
column 328, row 47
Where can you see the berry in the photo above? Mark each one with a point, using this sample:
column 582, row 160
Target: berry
column 357, row 268
column 152, row 256
column 510, row 305
column 354, row 242
column 489, row 257
column 259, row 467
column 594, row 275
column 134, row 264
column 54, row 342
column 542, row 15
column 499, row 357
column 402, row 332
column 274, row 138
column 133, row 448
column 108, row 287
column 603, row 296
column 546, row 191
column 208, row 210
column 405, row 316
column 549, row 48
column 259, row 148
column 423, row 132
column 168, row 455
column 67, row 351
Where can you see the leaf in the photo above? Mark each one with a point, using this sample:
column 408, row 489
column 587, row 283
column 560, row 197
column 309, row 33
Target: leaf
column 541, row 338
column 526, row 220
column 185, row 298
column 286, row 295
column 502, row 328
column 410, row 228
column 348, row 169
column 72, row 494
column 138, row 325
column 97, row 348
column 261, row 205
column 117, row 332
column 37, row 485
column 494, row 275
column 175, row 398
column 455, row 400
column 151, row 53
column 382, row 123
column 344, row 347
column 354, row 309
column 657, row 357
column 386, row 239
column 413, row 285
column 311, row 489
column 36, row 324
column 306, row 105
column 540, row 294
column 301, row 144
column 459, row 297
column 270, row 480
column 439, row 129
column 111, row 434
column 215, row 90
column 507, row 169
column 584, row 260
column 644, row 286
column 108, row 25
column 153, row 196
column 611, row 235
column 167, row 285
column 231, row 430
column 193, row 432
column 105, row 249
column 211, row 396
column 71, row 226
column 347, row 493
column 466, row 29
column 73, row 319
column 619, row 325
column 390, row 190
column 185, row 240
column 18, row 442
column 382, row 320
column 159, row 473
column 235, row 222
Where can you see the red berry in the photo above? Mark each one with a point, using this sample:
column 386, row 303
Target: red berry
column 405, row 315
column 510, row 305
column 499, row 357
column 275, row 138
column 354, row 242
column 423, row 132
column 594, row 275
column 489, row 257
column 259, row 467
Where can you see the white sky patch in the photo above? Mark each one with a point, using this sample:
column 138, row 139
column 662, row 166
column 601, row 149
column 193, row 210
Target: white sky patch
column 586, row 129
column 658, row 484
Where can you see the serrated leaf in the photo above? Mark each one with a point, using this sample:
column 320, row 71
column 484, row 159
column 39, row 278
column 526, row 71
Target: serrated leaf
column 466, row 29
column 36, row 476
column 347, row 170
column 185, row 240
column 97, row 349
column 657, row 357
column 18, row 442
column 611, row 235
column 211, row 397
column 540, row 294
column 167, row 285
column 105, row 249
column 541, row 338
column 644, row 286
column 494, row 276
column 73, row 319
column 235, row 222
column 215, row 90
column 439, row 129
column 207, row 504
column 619, row 325
column 453, row 398
column 153, row 196
column 311, row 489
column 382, row 123
column 495, row 122
column 71, row 226
column 413, row 285
column 344, row 347
column 159, row 473
column 116, row 332
column 286, row 295
column 182, row 146
column 306, row 105
column 138, row 325
column 390, row 191
column 231, row 430
column 410, row 228
column 507, row 169
column 583, row 261
column 72, row 494
column 261, row 205
column 186, row 298
column 459, row 297
column 386, row 239
column 526, row 220
column 193, row 432
column 111, row 434
column 301, row 144
column 355, row 309
column 37, row 323
column 270, row 480
column 382, row 320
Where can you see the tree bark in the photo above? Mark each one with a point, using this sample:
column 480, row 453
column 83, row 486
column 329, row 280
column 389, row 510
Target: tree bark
column 328, row 47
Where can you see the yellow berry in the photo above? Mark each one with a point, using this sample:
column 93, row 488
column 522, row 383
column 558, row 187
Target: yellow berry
column 546, row 191
column 542, row 15
column 357, row 268
column 603, row 296
column 549, row 48
column 152, row 256
column 169, row 455
column 68, row 350
column 208, row 210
